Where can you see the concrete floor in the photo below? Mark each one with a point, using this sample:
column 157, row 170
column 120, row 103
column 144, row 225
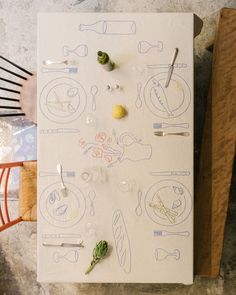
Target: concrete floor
column 18, row 245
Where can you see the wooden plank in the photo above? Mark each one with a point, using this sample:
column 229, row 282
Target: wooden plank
column 217, row 151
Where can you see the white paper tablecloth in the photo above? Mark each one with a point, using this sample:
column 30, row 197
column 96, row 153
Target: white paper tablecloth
column 135, row 168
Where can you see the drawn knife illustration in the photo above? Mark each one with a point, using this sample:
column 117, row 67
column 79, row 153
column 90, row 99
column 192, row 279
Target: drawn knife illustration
column 162, row 66
column 170, row 173
column 59, row 130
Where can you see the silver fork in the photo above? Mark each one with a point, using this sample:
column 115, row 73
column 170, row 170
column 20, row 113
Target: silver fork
column 162, row 133
column 63, row 187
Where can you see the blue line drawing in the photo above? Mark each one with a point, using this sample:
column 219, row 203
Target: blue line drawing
column 161, row 97
column 122, row 242
column 178, row 190
column 91, row 197
column 59, row 130
column 60, row 211
column 69, row 70
column 128, row 148
column 166, row 66
column 164, row 233
column 61, row 236
column 81, row 50
column 54, row 196
column 144, row 46
column 138, row 209
column 159, row 100
column 77, row 2
column 71, row 256
column 62, row 100
column 162, row 254
column 170, row 173
column 159, row 202
column 64, row 174
column 94, row 91
column 138, row 102
column 177, row 203
column 168, row 125
column 133, row 149
column 115, row 136
column 110, row 27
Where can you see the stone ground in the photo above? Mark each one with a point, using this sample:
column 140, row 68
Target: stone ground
column 18, row 245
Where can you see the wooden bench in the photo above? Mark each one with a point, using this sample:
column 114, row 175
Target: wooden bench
column 217, row 150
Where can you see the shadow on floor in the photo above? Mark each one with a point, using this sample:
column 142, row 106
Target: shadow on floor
column 8, row 284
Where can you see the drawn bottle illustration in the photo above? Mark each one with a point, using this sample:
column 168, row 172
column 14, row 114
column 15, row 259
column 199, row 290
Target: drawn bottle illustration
column 104, row 59
column 115, row 27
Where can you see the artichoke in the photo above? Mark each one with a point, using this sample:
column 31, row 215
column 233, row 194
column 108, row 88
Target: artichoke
column 99, row 252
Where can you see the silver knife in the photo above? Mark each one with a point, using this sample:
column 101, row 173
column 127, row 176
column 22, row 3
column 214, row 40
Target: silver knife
column 171, row 68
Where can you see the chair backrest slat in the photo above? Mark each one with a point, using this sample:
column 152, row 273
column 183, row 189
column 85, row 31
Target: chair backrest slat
column 6, row 194
column 1, row 178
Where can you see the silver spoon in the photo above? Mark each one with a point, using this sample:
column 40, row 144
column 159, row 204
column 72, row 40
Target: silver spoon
column 54, row 62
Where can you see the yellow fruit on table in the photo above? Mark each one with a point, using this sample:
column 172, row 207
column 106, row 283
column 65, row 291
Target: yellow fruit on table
column 118, row 112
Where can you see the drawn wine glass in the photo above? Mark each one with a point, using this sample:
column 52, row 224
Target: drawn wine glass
column 168, row 102
column 90, row 120
column 145, row 46
column 91, row 230
column 62, row 100
column 162, row 254
column 126, row 185
column 81, row 50
column 168, row 202
column 71, row 256
column 60, row 211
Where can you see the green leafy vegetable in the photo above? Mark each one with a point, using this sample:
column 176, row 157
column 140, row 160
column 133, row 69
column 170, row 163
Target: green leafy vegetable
column 99, row 252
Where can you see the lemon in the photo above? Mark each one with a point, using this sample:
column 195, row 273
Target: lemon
column 118, row 112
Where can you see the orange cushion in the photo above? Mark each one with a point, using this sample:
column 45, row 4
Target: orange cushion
column 28, row 191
